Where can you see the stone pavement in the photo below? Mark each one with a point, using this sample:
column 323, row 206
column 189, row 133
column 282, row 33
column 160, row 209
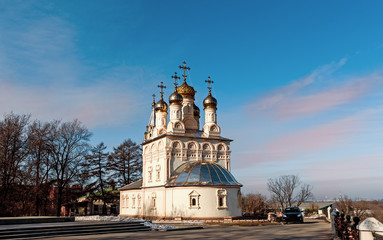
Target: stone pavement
column 311, row 229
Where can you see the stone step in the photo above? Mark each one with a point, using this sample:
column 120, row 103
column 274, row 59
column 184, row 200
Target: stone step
column 72, row 230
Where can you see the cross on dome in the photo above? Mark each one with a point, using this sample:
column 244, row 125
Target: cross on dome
column 162, row 86
column 175, row 80
column 210, row 82
column 184, row 68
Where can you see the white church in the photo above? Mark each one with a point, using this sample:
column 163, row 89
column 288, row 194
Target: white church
column 186, row 170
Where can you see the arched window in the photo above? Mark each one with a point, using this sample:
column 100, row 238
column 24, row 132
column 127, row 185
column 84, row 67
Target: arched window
column 194, row 200
column 123, row 198
column 154, row 204
column 176, row 145
column 134, row 201
column 206, row 147
column 158, row 172
column 150, row 174
column 192, row 146
column 221, row 199
column 138, row 201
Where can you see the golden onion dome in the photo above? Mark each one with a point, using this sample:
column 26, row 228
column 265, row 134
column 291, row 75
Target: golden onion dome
column 175, row 98
column 196, row 110
column 161, row 106
column 186, row 91
column 210, row 102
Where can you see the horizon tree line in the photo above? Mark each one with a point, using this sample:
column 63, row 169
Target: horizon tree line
column 41, row 161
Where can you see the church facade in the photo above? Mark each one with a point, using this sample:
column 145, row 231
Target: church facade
column 186, row 170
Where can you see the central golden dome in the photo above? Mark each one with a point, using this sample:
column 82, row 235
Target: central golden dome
column 186, row 91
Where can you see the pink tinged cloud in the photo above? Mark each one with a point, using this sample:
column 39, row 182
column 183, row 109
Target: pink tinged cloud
column 97, row 105
column 281, row 94
column 288, row 102
column 290, row 145
column 347, row 168
column 319, row 102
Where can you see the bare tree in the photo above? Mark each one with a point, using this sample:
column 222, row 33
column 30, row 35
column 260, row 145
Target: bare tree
column 344, row 204
column 13, row 151
column 125, row 162
column 38, row 164
column 254, row 204
column 349, row 207
column 69, row 145
column 303, row 194
column 282, row 190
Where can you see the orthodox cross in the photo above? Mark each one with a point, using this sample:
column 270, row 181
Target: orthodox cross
column 162, row 88
column 175, row 80
column 210, row 82
column 184, row 68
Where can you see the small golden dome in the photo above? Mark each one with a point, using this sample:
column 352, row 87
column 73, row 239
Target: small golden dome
column 175, row 98
column 161, row 106
column 186, row 91
column 210, row 102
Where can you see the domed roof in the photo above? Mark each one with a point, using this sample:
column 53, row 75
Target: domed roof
column 186, row 91
column 161, row 106
column 196, row 110
column 201, row 173
column 210, row 101
column 175, row 98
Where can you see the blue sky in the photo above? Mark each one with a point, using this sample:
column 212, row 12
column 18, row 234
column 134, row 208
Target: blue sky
column 298, row 83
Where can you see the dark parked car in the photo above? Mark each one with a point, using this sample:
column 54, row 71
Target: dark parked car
column 293, row 214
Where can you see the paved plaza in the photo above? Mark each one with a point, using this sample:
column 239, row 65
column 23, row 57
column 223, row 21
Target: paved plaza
column 311, row 229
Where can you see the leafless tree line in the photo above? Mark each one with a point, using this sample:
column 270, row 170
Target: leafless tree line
column 285, row 191
column 360, row 208
column 288, row 190
column 41, row 161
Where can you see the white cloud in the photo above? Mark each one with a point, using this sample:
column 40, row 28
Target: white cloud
column 42, row 73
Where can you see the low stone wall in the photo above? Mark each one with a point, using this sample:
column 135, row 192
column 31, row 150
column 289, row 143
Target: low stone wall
column 29, row 220
column 180, row 220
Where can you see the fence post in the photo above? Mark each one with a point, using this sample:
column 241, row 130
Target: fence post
column 333, row 228
column 368, row 227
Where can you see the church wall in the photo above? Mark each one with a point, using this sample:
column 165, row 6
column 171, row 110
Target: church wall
column 131, row 202
column 143, row 202
column 181, row 150
column 177, row 202
column 207, row 203
column 154, row 164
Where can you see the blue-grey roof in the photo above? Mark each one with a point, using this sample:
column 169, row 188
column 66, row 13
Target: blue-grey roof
column 201, row 173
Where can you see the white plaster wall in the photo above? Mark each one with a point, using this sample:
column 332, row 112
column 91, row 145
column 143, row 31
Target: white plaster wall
column 154, row 161
column 129, row 209
column 178, row 202
column 175, row 202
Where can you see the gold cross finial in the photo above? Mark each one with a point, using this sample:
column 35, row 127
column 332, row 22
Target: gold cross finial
column 210, row 83
column 184, row 68
column 175, row 80
column 162, row 86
